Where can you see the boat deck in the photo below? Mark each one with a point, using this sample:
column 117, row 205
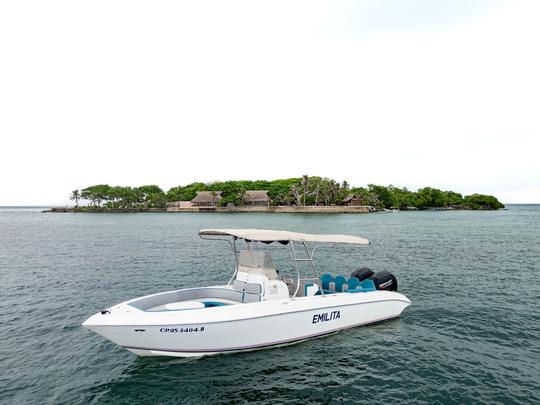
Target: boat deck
column 192, row 304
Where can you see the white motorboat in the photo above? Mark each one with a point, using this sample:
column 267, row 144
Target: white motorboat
column 257, row 308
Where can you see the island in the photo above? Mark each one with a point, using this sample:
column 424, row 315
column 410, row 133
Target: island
column 299, row 194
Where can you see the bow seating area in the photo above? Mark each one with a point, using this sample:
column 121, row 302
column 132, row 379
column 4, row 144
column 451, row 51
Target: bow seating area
column 332, row 285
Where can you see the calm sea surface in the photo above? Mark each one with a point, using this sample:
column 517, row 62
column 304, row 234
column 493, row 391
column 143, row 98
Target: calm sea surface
column 471, row 335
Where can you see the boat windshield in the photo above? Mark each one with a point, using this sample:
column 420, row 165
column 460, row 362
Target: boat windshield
column 255, row 259
column 257, row 262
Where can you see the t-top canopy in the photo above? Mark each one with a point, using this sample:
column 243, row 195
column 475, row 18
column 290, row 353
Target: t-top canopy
column 265, row 235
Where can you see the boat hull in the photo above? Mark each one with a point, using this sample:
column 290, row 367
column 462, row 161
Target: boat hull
column 249, row 326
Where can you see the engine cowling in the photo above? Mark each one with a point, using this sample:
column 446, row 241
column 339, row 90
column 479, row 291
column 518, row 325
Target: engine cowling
column 362, row 274
column 384, row 280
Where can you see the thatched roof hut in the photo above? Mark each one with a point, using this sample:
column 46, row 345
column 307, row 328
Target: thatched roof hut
column 256, row 197
column 351, row 199
column 207, row 198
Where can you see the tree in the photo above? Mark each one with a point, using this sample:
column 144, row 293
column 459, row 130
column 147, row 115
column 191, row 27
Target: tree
column 431, row 197
column 150, row 196
column 75, row 195
column 366, row 197
column 384, row 195
column 335, row 190
column 296, row 191
column 280, row 190
column 185, row 193
column 482, row 201
column 302, row 191
column 96, row 194
column 454, row 198
column 316, row 188
column 214, row 195
column 242, row 195
column 325, row 190
column 305, row 186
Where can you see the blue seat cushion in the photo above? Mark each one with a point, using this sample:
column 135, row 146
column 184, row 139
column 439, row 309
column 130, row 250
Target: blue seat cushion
column 208, row 304
column 353, row 283
column 368, row 284
column 340, row 281
column 365, row 286
column 326, row 279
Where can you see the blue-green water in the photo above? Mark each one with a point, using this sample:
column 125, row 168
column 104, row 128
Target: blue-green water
column 472, row 333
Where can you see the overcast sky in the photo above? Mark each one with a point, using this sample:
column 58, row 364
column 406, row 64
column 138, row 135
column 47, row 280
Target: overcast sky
column 410, row 93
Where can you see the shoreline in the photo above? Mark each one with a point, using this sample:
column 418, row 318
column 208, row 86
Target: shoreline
column 272, row 209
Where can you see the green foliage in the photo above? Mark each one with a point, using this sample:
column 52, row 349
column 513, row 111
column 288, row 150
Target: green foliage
column 431, row 197
column 366, row 197
column 305, row 190
column 384, row 194
column 76, row 196
column 149, row 196
column 315, row 190
column 185, row 193
column 96, row 194
column 482, row 201
column 394, row 197
column 232, row 191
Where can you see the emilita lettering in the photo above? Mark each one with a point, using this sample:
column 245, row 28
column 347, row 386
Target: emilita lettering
column 326, row 316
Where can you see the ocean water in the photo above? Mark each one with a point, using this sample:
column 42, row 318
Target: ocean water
column 471, row 335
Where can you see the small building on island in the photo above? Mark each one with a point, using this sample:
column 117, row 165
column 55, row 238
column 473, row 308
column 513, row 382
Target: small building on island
column 256, row 198
column 179, row 204
column 352, row 200
column 207, row 199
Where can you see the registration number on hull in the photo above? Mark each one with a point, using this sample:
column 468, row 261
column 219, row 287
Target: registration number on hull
column 182, row 330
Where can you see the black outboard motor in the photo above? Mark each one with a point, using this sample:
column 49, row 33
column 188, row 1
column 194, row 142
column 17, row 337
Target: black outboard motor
column 384, row 280
column 362, row 274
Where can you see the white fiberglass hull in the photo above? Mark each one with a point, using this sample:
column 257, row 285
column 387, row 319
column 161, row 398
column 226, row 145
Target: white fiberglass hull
column 242, row 327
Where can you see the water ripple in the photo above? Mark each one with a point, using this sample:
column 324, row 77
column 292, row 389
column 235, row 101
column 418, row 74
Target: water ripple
column 471, row 334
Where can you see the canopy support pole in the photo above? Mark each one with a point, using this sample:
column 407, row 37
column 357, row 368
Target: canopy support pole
column 310, row 259
column 237, row 264
column 292, row 252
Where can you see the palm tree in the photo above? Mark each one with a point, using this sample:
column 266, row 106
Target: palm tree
column 242, row 195
column 316, row 192
column 214, row 195
column 75, row 195
column 335, row 189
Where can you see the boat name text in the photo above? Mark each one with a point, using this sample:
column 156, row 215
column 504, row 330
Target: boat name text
column 326, row 316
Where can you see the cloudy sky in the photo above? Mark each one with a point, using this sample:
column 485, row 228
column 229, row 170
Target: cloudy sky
column 410, row 93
